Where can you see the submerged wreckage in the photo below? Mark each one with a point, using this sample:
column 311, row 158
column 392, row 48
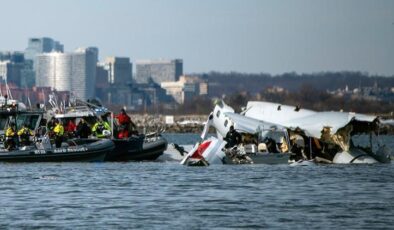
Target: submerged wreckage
column 274, row 133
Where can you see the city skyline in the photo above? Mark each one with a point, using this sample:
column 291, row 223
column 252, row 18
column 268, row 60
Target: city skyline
column 244, row 36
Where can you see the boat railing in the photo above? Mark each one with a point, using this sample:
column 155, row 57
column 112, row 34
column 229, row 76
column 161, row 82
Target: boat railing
column 82, row 108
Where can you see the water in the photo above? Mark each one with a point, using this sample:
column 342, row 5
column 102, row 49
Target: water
column 154, row 195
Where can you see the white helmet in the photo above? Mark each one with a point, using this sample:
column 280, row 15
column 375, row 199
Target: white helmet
column 107, row 133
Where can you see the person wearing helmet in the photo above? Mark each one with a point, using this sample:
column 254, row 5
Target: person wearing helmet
column 10, row 137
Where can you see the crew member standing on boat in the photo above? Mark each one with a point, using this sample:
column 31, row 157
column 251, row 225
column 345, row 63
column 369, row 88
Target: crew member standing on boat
column 10, row 137
column 100, row 127
column 59, row 133
column 125, row 125
column 232, row 137
column 50, row 126
column 83, row 129
column 24, row 135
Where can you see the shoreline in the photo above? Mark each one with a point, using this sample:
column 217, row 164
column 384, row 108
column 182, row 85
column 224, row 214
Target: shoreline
column 189, row 124
column 169, row 123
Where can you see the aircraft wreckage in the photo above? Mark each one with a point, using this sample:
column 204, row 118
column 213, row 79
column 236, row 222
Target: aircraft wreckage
column 273, row 133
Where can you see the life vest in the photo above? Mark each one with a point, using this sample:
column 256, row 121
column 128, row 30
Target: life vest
column 100, row 127
column 10, row 132
column 25, row 132
column 58, row 130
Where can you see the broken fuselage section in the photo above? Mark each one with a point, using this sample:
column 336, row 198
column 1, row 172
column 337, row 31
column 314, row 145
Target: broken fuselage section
column 274, row 133
column 326, row 137
column 261, row 142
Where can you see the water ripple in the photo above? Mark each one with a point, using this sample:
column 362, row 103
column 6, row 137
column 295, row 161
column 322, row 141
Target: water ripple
column 166, row 195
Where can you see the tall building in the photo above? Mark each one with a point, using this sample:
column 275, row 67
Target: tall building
column 74, row 72
column 186, row 88
column 13, row 68
column 42, row 45
column 10, row 72
column 102, row 84
column 12, row 56
column 114, row 78
column 119, row 70
column 35, row 47
column 158, row 70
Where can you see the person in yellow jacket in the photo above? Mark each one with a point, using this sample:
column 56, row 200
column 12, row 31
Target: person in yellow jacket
column 10, row 137
column 59, row 133
column 101, row 129
column 24, row 135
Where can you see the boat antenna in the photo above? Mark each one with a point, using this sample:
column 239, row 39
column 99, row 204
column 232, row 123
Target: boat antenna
column 8, row 90
column 28, row 97
column 55, row 100
column 61, row 107
column 28, row 100
column 64, row 106
column 43, row 93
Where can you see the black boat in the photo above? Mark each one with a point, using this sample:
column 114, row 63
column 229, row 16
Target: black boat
column 138, row 148
column 89, row 150
column 135, row 148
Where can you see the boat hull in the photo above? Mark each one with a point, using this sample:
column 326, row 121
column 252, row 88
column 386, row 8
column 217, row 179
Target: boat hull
column 137, row 149
column 89, row 151
column 269, row 158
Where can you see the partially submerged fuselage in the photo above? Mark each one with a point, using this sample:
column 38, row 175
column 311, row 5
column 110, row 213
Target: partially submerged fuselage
column 299, row 134
column 327, row 136
column 262, row 142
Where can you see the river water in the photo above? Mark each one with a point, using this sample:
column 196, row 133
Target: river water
column 166, row 195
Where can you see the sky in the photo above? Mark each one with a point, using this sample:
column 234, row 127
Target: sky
column 250, row 36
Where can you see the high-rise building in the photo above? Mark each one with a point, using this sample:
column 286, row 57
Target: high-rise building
column 12, row 56
column 42, row 45
column 119, row 70
column 10, row 72
column 158, row 70
column 11, row 67
column 35, row 47
column 74, row 72
column 186, row 88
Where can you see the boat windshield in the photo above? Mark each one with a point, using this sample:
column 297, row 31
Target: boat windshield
column 30, row 120
column 3, row 122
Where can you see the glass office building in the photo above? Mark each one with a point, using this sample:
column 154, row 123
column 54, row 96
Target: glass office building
column 158, row 70
column 74, row 72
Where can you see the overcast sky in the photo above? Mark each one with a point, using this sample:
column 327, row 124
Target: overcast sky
column 216, row 35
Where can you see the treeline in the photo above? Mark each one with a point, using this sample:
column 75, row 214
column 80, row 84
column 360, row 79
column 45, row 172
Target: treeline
column 227, row 83
column 307, row 97
column 311, row 98
column 305, row 90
